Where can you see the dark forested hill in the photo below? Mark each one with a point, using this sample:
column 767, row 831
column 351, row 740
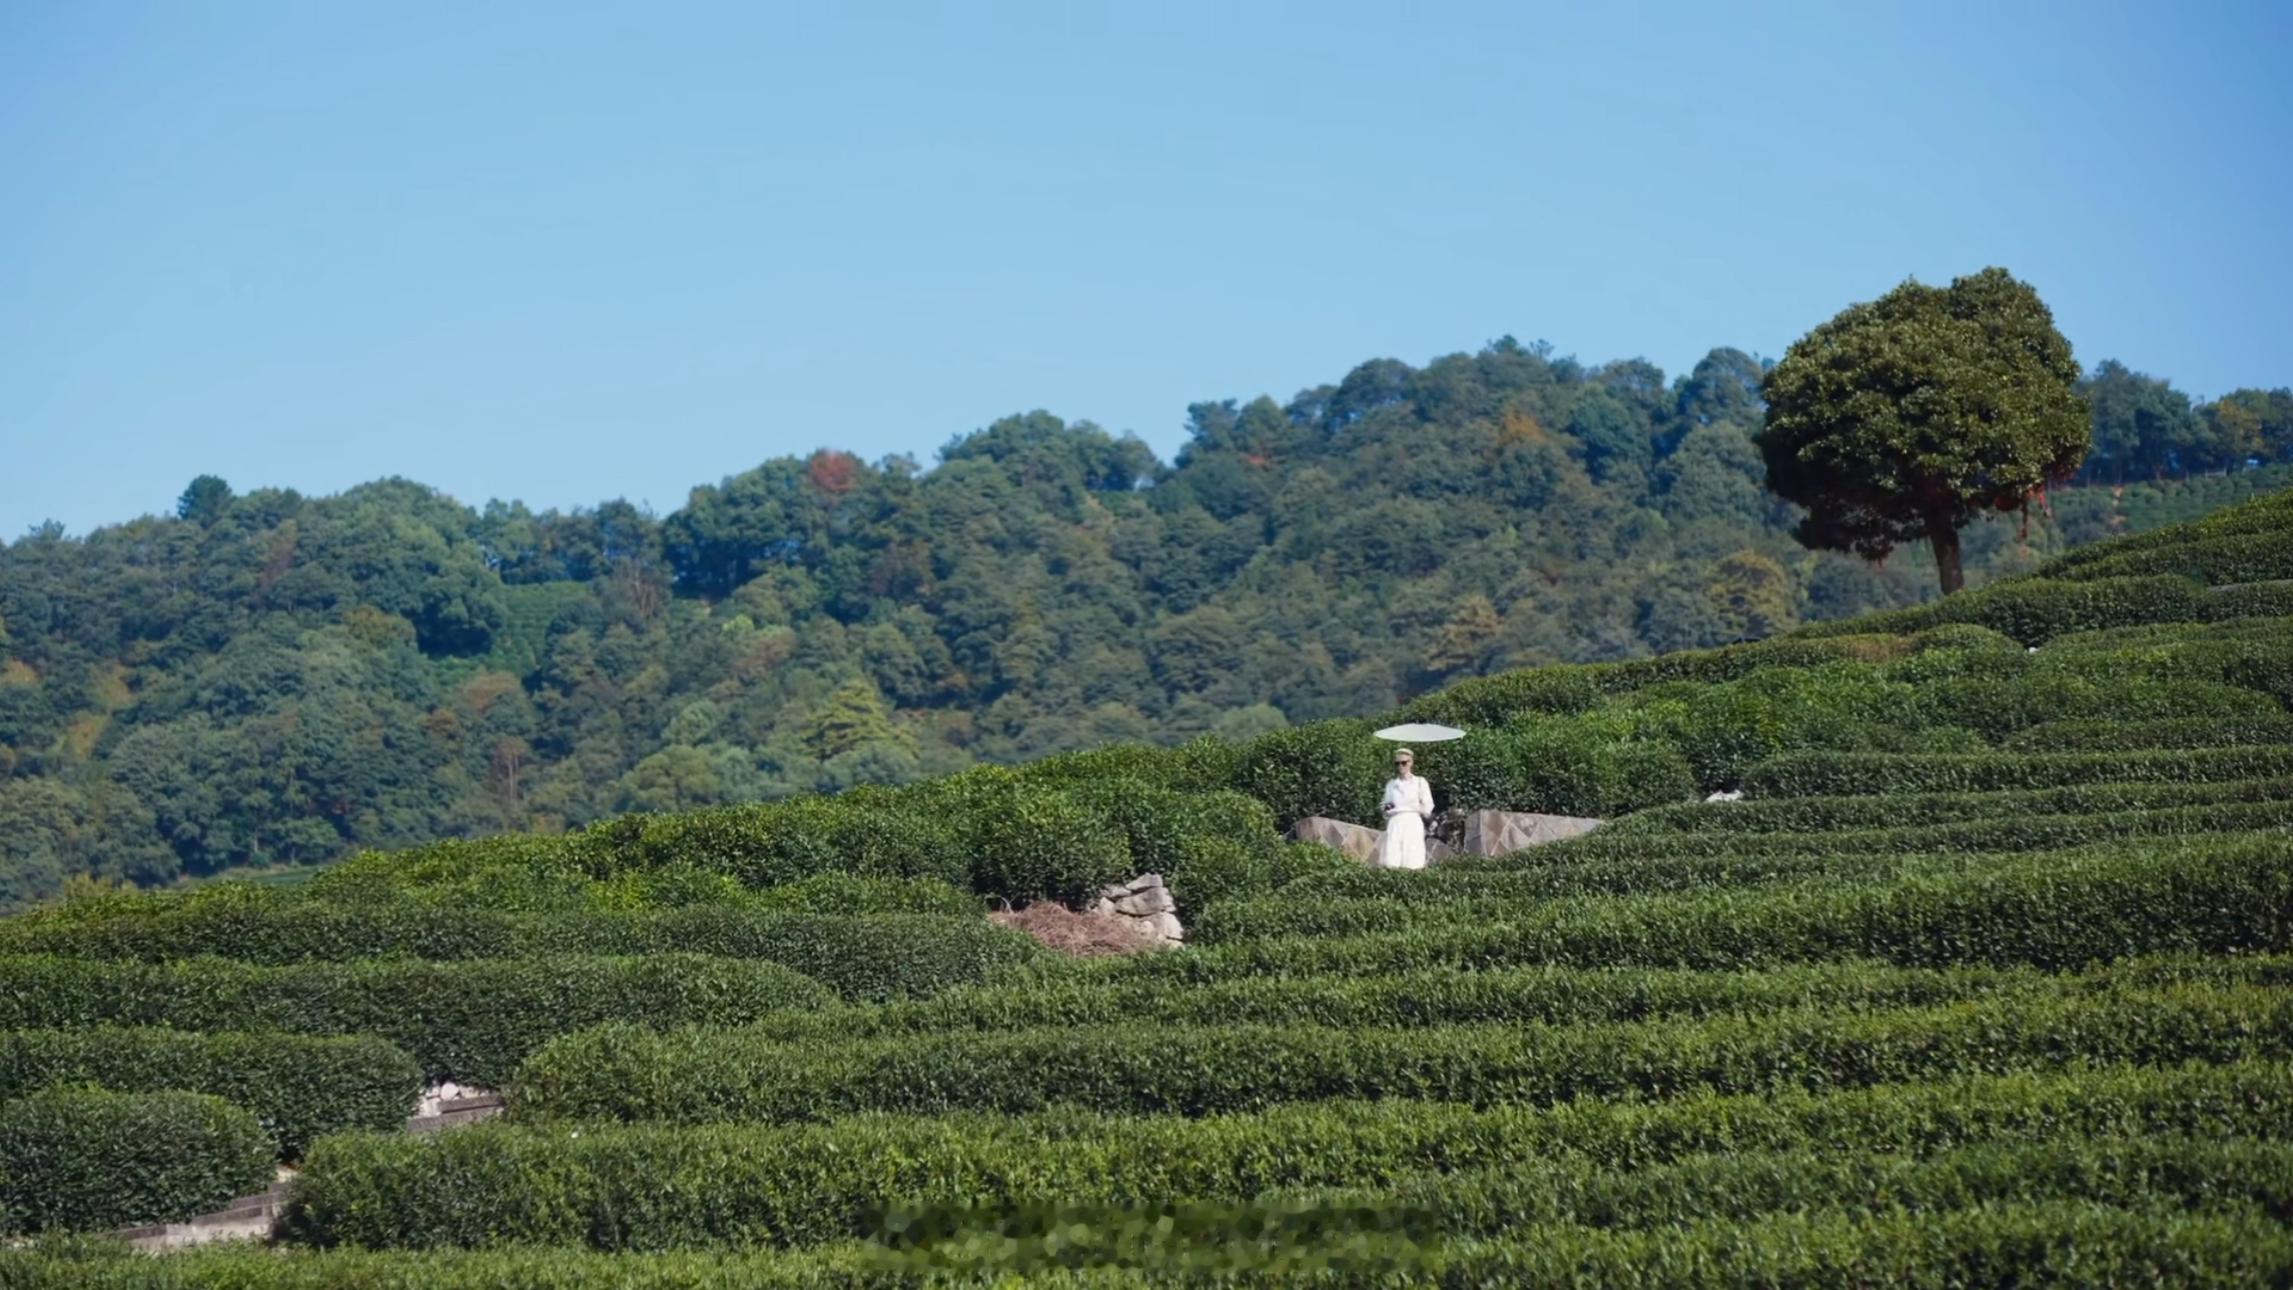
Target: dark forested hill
column 270, row 678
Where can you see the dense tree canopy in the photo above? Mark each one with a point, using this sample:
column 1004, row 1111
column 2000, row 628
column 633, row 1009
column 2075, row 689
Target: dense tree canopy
column 1904, row 418
column 268, row 678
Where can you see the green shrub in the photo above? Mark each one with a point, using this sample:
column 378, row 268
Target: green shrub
column 84, row 1159
column 2219, row 559
column 237, row 1266
column 264, row 925
column 2250, row 728
column 1583, row 767
column 861, row 957
column 1209, row 870
column 1482, row 771
column 1560, row 766
column 2263, row 515
column 1834, row 774
column 872, row 833
column 470, row 1021
column 1512, row 881
column 513, row 872
column 675, row 886
column 1453, row 996
column 1159, row 824
column 1494, row 700
column 866, row 956
column 1636, row 776
column 1838, row 814
column 1997, row 707
column 297, row 1086
column 2143, row 1173
column 1200, row 1070
column 2050, row 911
column 2059, row 1243
column 2252, row 600
column 843, row 893
column 1293, row 861
column 2036, row 610
column 2069, row 1244
column 1204, row 765
column 657, row 1187
column 1724, row 729
column 1329, row 768
column 1718, row 862
column 1036, row 844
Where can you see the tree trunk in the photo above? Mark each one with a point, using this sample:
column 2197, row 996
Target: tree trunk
column 1945, row 540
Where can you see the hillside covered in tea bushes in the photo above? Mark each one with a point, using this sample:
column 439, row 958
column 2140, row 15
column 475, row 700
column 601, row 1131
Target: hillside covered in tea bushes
column 1987, row 978
column 267, row 679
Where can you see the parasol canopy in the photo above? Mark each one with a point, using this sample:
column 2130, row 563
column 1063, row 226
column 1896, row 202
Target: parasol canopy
column 1420, row 732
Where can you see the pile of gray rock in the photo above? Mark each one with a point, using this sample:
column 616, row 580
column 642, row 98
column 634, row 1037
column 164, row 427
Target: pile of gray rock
column 1146, row 901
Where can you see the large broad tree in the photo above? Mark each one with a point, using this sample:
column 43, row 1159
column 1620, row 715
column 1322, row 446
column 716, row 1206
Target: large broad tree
column 1906, row 417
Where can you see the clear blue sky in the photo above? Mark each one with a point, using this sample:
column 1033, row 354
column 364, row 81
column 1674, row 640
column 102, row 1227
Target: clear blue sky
column 567, row 252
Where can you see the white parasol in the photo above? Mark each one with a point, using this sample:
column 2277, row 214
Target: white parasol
column 1420, row 732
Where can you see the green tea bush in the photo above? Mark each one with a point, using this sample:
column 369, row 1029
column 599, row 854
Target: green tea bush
column 1621, row 872
column 871, row 833
column 2243, row 807
column 1719, row 861
column 2224, row 1177
column 864, row 956
column 263, row 925
column 659, row 1187
column 1210, row 870
column 2051, row 911
column 1996, row 708
column 298, row 1086
column 1558, row 691
column 2273, row 513
column 1482, row 771
column 1328, row 768
column 1203, row 765
column 1838, row 814
column 2252, row 600
column 2067, row 1244
column 1159, row 824
column 515, row 872
column 1036, row 844
column 1452, row 996
column 2249, row 728
column 1582, row 767
column 1833, row 774
column 1724, row 729
column 1732, row 662
column 674, row 886
column 2226, row 558
column 471, row 1021
column 860, row 956
column 843, row 893
column 84, row 1159
column 1200, row 1070
column 2058, row 1243
column 2036, row 610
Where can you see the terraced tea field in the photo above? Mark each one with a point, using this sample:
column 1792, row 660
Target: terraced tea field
column 1986, row 979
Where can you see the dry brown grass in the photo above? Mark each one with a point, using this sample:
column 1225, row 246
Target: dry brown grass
column 1064, row 931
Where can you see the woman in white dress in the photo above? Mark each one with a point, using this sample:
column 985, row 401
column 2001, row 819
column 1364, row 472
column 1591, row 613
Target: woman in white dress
column 1408, row 807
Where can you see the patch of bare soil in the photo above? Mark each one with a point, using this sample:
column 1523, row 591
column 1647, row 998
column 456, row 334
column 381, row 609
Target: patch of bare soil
column 1063, row 930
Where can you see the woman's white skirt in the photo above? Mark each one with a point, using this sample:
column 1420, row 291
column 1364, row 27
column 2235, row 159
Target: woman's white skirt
column 1404, row 844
